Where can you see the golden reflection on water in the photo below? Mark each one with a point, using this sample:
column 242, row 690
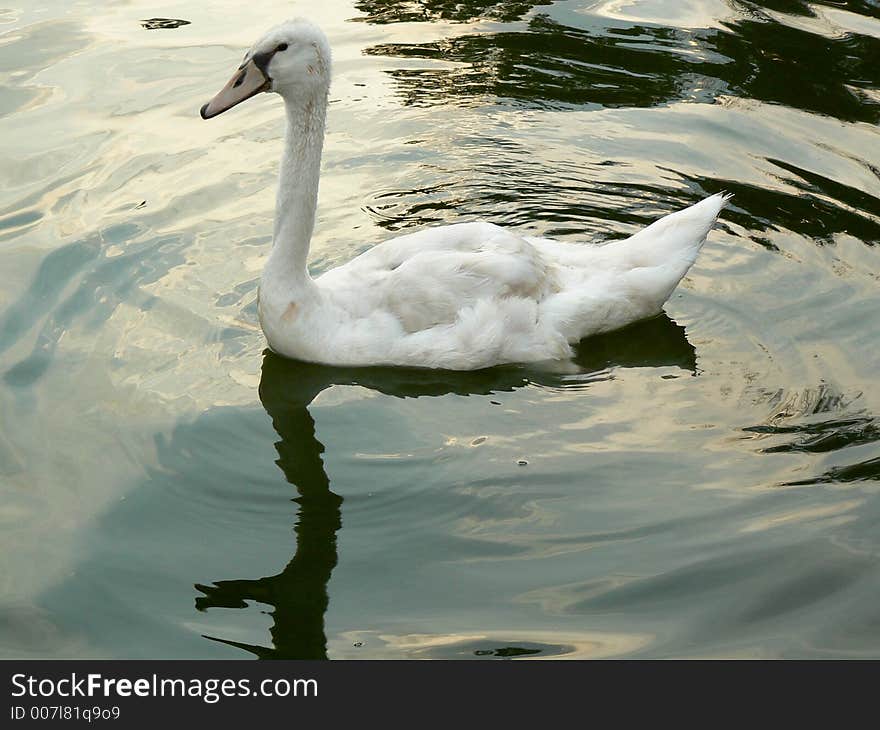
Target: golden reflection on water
column 496, row 644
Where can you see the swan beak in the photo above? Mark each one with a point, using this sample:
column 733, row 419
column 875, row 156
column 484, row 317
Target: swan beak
column 248, row 81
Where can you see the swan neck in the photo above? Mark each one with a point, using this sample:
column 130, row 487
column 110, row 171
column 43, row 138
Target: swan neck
column 298, row 186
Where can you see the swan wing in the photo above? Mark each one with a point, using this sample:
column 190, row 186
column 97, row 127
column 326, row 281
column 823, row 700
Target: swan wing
column 430, row 277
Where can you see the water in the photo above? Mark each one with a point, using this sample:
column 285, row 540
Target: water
column 704, row 484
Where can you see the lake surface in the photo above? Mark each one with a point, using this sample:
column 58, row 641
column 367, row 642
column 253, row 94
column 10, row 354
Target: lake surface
column 705, row 484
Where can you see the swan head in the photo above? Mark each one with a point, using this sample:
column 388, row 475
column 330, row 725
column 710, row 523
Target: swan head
column 292, row 59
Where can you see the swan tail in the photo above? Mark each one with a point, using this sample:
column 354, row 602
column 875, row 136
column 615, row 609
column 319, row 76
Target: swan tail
column 674, row 240
column 659, row 256
column 641, row 272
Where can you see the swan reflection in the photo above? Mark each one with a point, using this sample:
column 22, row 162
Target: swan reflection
column 297, row 596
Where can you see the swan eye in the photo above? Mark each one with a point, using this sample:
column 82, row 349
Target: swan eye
column 281, row 47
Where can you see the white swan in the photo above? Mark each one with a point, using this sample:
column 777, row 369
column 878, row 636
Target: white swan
column 463, row 296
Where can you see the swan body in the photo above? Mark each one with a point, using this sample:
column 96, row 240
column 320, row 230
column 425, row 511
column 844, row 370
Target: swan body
column 462, row 296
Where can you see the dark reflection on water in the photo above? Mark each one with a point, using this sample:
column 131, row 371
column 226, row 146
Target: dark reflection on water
column 859, row 472
column 413, row 11
column 163, row 23
column 577, row 201
column 817, row 207
column 825, row 436
column 777, row 63
column 807, row 7
column 810, row 435
column 801, row 424
column 298, row 594
column 552, row 64
column 500, row 650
